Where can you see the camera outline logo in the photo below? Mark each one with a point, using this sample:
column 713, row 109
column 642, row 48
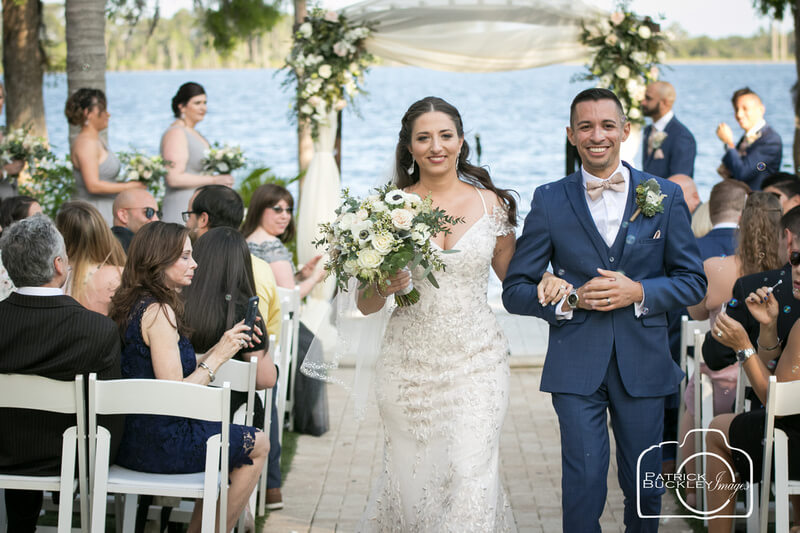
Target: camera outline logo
column 681, row 479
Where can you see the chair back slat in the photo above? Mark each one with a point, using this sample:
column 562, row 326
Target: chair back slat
column 156, row 397
column 23, row 391
column 787, row 402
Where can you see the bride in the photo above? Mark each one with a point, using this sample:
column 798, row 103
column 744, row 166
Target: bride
column 442, row 378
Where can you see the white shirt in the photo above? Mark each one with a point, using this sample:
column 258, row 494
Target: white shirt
column 725, row 225
column 41, row 291
column 755, row 129
column 661, row 123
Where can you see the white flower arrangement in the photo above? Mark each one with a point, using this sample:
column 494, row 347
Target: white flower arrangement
column 51, row 183
column 21, row 145
column 151, row 170
column 222, row 159
column 327, row 64
column 627, row 51
column 375, row 237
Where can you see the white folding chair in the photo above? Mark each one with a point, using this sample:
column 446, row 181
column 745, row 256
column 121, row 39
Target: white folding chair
column 688, row 328
column 290, row 305
column 158, row 397
column 283, row 361
column 741, row 405
column 20, row 391
column 783, row 399
column 267, row 398
column 703, row 411
column 242, row 378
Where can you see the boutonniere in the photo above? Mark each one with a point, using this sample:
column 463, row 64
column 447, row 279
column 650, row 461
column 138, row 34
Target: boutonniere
column 657, row 139
column 648, row 199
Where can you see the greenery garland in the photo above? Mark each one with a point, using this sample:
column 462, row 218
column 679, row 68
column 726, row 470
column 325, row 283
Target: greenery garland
column 327, row 64
column 627, row 51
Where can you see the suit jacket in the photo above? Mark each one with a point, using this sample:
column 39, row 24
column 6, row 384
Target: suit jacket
column 717, row 242
column 679, row 149
column 559, row 230
column 54, row 337
column 718, row 356
column 123, row 235
column 761, row 159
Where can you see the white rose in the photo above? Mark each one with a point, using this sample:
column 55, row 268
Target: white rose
column 653, row 73
column 339, row 105
column 306, row 109
column 644, row 32
column 419, row 233
column 617, row 18
column 402, row 218
column 661, row 56
column 379, row 207
column 634, row 113
column 611, row 40
column 632, row 85
column 223, row 167
column 382, row 243
column 325, row 71
column 340, row 49
column 623, row 72
column 369, row 258
column 133, row 175
column 639, row 56
column 604, row 27
column 315, row 101
column 362, row 214
column 147, row 174
column 331, row 16
column 604, row 81
column 652, row 198
column 639, row 93
column 351, row 267
column 305, row 29
column 350, row 88
column 347, row 221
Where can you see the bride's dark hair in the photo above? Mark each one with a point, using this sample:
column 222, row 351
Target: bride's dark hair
column 475, row 175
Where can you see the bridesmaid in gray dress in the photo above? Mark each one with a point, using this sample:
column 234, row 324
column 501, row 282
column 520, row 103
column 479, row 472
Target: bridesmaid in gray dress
column 95, row 166
column 183, row 147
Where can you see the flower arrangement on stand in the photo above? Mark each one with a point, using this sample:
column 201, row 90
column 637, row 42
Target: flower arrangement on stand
column 628, row 50
column 151, row 170
column 222, row 159
column 21, row 145
column 51, row 183
column 327, row 63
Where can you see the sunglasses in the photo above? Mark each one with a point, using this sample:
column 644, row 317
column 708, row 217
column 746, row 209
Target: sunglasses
column 149, row 212
column 278, row 209
column 185, row 215
column 794, row 258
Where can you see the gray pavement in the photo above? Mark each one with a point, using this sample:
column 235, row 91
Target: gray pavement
column 330, row 479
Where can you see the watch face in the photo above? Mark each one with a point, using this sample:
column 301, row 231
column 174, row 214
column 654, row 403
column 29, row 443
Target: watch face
column 572, row 299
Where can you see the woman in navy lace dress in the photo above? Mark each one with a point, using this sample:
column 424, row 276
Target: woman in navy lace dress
column 149, row 312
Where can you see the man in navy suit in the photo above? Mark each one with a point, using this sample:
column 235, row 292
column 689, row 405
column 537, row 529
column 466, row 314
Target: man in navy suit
column 725, row 206
column 758, row 153
column 608, row 349
column 668, row 147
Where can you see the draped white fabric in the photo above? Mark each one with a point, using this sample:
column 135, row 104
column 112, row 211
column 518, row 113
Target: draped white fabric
column 475, row 35
column 319, row 198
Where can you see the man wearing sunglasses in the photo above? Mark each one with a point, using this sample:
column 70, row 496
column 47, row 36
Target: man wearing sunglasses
column 718, row 356
column 133, row 209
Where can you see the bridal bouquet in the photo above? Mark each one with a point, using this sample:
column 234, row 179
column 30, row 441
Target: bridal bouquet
column 149, row 170
column 222, row 159
column 373, row 238
column 21, row 145
column 51, row 183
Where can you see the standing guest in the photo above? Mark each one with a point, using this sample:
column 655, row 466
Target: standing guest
column 668, row 147
column 94, row 165
column 584, row 225
column 132, row 210
column 48, row 334
column 96, row 258
column 8, row 185
column 725, row 206
column 758, row 153
column 13, row 209
column 788, row 192
column 689, row 190
column 150, row 315
column 183, row 147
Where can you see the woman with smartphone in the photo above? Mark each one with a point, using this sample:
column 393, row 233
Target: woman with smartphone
column 149, row 311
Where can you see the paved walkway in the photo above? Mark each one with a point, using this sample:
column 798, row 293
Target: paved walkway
column 330, row 479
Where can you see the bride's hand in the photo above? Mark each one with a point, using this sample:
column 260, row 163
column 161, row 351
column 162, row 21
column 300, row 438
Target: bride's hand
column 395, row 283
column 551, row 289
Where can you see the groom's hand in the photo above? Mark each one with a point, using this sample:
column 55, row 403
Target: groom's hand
column 611, row 290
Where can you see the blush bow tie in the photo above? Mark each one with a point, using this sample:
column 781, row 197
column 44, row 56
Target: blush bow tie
column 595, row 188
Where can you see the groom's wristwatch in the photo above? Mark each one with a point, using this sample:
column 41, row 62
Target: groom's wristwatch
column 744, row 355
column 573, row 299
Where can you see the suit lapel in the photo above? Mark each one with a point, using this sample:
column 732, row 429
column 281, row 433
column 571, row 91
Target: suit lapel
column 577, row 198
column 627, row 227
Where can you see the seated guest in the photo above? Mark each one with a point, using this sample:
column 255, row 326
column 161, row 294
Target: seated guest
column 701, row 221
column 95, row 256
column 133, row 209
column 746, row 430
column 758, row 251
column 758, row 153
column 725, row 205
column 13, row 209
column 788, row 192
column 214, row 206
column 48, row 334
column 689, row 189
column 149, row 313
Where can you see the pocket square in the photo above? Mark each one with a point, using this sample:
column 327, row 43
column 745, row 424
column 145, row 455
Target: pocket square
column 659, row 154
column 657, row 234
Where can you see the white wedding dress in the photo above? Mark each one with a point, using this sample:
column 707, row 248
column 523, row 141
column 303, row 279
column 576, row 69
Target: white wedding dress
column 442, row 384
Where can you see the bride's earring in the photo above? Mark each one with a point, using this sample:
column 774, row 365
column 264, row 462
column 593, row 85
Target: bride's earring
column 411, row 168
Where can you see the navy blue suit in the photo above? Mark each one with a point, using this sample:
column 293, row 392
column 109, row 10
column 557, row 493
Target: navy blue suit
column 607, row 361
column 761, row 159
column 717, row 242
column 679, row 150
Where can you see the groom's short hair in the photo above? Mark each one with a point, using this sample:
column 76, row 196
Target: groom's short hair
column 595, row 94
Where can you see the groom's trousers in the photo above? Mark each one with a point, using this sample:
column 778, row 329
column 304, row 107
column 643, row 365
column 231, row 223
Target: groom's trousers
column 637, row 424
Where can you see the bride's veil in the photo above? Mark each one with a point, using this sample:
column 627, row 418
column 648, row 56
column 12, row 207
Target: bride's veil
column 357, row 341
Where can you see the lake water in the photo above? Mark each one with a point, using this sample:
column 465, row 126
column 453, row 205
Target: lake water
column 520, row 115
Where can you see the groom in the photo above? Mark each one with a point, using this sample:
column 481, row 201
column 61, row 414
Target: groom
column 608, row 348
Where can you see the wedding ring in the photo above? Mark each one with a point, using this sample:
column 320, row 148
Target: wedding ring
column 608, row 301
column 719, row 333
column 242, row 342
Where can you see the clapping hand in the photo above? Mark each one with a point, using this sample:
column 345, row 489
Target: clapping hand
column 729, row 332
column 763, row 305
column 308, row 269
column 552, row 289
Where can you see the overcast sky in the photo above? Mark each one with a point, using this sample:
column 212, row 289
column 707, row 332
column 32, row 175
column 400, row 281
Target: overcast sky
column 715, row 18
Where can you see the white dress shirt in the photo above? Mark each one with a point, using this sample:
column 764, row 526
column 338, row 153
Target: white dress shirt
column 755, row 129
column 661, row 123
column 40, row 291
